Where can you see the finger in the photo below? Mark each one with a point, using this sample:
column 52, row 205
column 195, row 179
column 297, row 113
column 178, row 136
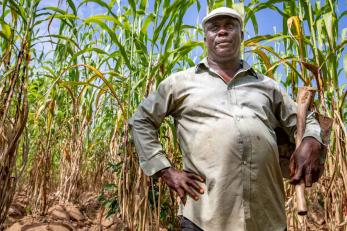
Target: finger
column 180, row 192
column 297, row 176
column 182, row 196
column 292, row 166
column 308, row 176
column 195, row 186
column 315, row 174
column 317, row 171
column 196, row 177
column 308, row 180
column 190, row 192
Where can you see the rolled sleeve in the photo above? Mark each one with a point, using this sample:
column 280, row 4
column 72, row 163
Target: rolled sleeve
column 145, row 124
column 154, row 165
column 312, row 128
column 286, row 115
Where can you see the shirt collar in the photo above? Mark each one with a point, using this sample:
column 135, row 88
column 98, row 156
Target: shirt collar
column 203, row 65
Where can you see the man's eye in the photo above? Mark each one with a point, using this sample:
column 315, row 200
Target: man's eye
column 211, row 27
column 230, row 27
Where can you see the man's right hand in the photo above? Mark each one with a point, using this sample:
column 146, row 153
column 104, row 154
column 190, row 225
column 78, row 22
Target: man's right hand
column 182, row 182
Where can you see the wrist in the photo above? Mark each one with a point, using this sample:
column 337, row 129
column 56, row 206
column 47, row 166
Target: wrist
column 314, row 142
column 161, row 172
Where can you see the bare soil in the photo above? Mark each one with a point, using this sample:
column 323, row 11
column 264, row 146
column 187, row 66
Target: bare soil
column 86, row 214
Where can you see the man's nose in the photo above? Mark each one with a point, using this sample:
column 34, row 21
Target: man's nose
column 222, row 31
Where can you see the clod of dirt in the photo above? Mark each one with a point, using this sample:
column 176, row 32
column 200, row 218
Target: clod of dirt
column 59, row 212
column 75, row 213
column 96, row 228
column 89, row 205
column 56, row 226
column 316, row 213
column 114, row 227
column 108, row 222
column 15, row 212
column 51, row 227
column 15, row 227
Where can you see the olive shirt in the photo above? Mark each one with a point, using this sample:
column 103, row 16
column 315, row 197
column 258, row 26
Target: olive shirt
column 226, row 134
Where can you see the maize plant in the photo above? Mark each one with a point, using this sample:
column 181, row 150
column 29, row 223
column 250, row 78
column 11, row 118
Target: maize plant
column 73, row 72
column 17, row 35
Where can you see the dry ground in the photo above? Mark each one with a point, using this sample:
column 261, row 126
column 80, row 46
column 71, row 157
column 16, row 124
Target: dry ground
column 87, row 214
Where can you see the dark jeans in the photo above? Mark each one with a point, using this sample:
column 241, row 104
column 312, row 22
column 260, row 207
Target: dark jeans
column 187, row 225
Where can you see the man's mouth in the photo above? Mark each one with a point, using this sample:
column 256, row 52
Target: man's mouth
column 223, row 42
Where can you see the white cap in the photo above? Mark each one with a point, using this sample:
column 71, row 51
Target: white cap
column 222, row 11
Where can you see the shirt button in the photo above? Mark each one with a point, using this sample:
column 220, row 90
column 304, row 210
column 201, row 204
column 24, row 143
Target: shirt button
column 244, row 162
column 238, row 118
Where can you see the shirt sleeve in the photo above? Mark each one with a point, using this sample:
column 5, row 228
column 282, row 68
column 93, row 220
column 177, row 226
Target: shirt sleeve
column 285, row 110
column 145, row 124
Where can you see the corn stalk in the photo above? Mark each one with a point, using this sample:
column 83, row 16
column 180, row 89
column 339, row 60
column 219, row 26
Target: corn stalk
column 16, row 36
column 99, row 67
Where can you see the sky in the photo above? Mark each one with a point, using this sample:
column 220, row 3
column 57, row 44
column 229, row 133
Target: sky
column 269, row 22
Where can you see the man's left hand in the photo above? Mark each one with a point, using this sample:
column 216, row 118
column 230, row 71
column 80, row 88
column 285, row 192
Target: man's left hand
column 305, row 162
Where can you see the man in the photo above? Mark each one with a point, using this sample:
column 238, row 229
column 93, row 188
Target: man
column 225, row 115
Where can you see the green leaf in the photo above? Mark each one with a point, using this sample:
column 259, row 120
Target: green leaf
column 64, row 16
column 329, row 21
column 143, row 5
column 5, row 30
column 264, row 38
column 150, row 18
column 95, row 18
column 265, row 59
column 132, row 5
column 55, row 9
column 254, row 22
column 240, row 8
column 60, row 37
column 72, row 6
column 114, row 38
column 87, row 50
column 345, row 64
column 19, row 10
column 342, row 15
column 101, row 3
column 344, row 34
column 109, row 186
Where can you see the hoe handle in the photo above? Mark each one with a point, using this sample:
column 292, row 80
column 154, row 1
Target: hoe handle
column 304, row 100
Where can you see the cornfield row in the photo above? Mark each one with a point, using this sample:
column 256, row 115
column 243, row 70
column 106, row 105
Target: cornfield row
column 64, row 109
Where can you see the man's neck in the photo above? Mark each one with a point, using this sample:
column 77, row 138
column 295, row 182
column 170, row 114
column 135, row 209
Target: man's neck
column 226, row 70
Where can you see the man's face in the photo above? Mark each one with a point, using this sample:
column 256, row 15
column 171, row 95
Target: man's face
column 223, row 37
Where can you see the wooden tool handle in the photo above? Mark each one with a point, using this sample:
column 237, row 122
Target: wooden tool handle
column 300, row 198
column 304, row 99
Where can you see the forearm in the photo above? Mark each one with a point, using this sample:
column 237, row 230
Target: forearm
column 148, row 147
column 145, row 124
column 312, row 128
column 287, row 117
